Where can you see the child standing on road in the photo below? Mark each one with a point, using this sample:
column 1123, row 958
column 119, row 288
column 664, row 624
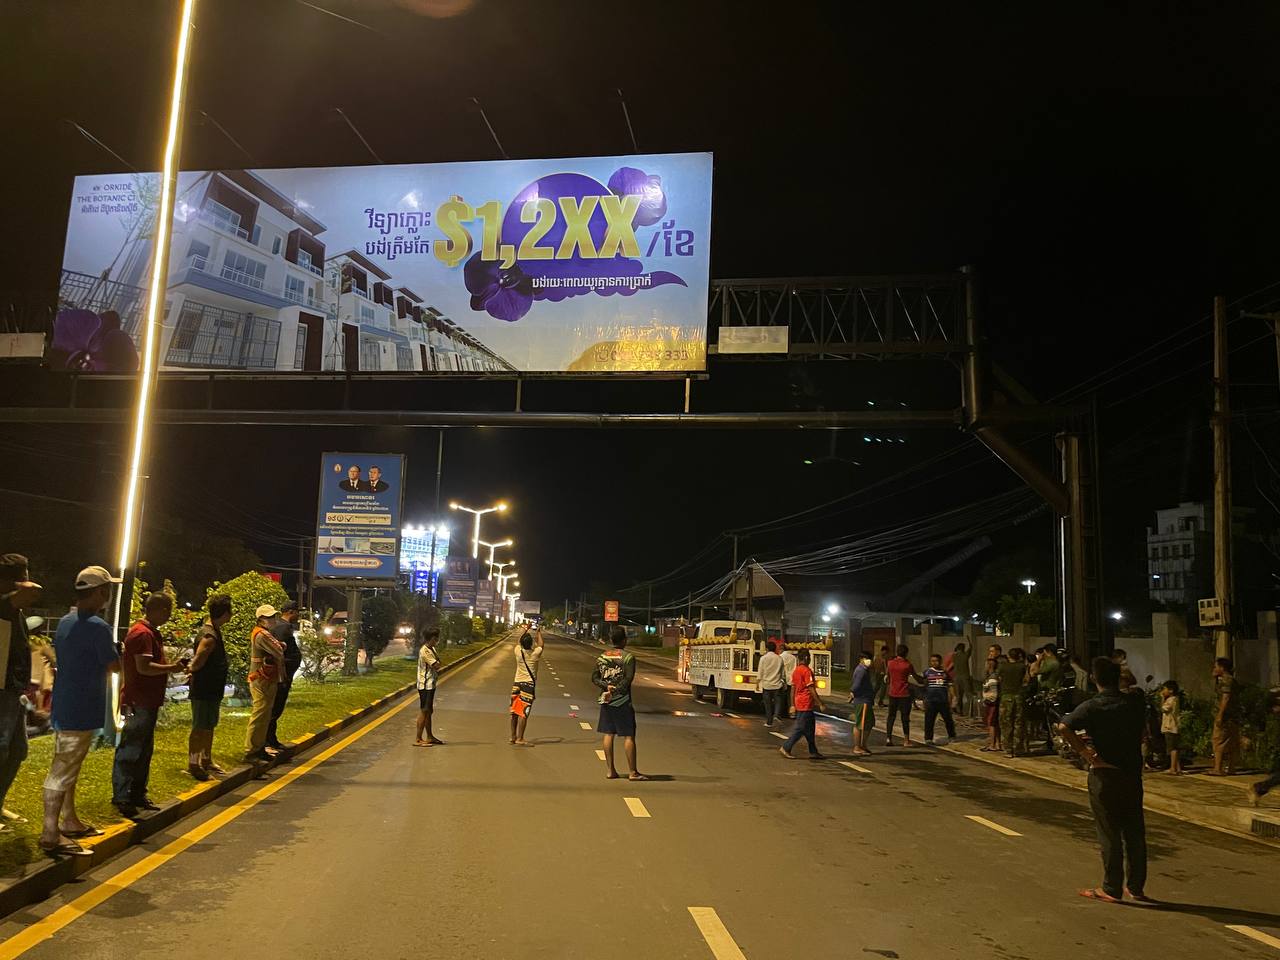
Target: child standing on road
column 938, row 695
column 1170, row 714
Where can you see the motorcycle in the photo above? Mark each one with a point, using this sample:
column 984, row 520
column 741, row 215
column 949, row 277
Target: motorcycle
column 1054, row 706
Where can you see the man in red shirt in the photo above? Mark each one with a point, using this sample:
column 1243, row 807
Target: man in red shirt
column 900, row 673
column 805, row 693
column 146, row 674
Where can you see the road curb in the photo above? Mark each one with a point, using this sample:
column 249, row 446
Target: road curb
column 37, row 881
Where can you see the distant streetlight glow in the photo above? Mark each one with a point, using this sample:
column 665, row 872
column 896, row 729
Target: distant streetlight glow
column 1117, row 616
column 1029, row 584
column 833, row 608
column 494, row 546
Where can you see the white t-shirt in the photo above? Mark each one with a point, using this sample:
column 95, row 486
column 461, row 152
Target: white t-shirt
column 771, row 677
column 1169, row 715
column 527, row 674
column 789, row 662
column 428, row 666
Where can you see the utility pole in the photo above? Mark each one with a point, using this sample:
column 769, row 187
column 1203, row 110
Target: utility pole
column 733, row 597
column 1221, row 481
column 649, row 618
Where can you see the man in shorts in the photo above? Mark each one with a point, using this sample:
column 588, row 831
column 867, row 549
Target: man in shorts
column 86, row 653
column 862, row 693
column 428, row 674
column 208, row 682
column 528, row 654
column 614, row 673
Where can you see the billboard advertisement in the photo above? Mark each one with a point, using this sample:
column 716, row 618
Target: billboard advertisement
column 529, row 608
column 459, row 590
column 358, row 516
column 580, row 265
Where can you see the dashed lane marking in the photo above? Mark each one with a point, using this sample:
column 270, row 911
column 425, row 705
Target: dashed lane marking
column 566, row 694
column 713, row 930
column 993, row 826
column 1253, row 934
column 775, row 733
column 600, row 755
column 636, row 807
column 853, row 766
column 584, row 725
column 574, row 706
column 734, row 715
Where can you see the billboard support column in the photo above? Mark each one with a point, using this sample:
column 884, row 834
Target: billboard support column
column 351, row 646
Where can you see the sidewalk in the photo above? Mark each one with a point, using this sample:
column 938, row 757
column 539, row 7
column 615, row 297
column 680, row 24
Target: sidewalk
column 1219, row 803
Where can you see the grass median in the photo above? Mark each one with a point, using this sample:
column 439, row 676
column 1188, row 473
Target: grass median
column 311, row 707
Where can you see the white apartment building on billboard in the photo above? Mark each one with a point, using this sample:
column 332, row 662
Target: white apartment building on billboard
column 252, row 287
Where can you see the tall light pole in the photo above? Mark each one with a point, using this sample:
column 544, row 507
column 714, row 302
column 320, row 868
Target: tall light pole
column 493, row 547
column 1029, row 584
column 502, row 577
column 478, row 513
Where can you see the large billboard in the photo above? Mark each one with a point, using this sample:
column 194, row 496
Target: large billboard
column 587, row 265
column 358, row 515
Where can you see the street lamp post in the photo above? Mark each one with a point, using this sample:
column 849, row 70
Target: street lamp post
column 493, row 548
column 1029, row 584
column 478, row 513
column 502, row 577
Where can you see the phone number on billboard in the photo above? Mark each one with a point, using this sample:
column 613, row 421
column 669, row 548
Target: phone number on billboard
column 364, row 519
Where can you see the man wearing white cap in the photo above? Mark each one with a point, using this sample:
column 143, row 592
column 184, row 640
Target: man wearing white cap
column 86, row 653
column 266, row 667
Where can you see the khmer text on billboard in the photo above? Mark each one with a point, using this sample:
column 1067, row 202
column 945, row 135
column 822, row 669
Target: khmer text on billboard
column 596, row 264
column 358, row 516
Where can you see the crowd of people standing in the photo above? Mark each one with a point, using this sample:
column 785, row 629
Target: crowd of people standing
column 84, row 655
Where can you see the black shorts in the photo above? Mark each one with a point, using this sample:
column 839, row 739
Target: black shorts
column 426, row 699
column 617, row 720
column 1171, row 741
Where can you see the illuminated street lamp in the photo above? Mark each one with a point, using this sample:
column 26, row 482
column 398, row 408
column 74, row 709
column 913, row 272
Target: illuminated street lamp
column 475, row 536
column 1117, row 616
column 833, row 608
column 494, row 546
column 500, row 576
column 1029, row 584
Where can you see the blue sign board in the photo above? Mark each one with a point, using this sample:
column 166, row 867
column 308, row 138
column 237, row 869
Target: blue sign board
column 358, row 517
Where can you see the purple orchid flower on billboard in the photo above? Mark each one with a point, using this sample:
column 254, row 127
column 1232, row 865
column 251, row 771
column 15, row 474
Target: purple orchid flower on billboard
column 508, row 293
column 91, row 342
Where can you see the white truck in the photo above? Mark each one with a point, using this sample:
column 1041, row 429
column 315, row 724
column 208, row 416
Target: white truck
column 721, row 658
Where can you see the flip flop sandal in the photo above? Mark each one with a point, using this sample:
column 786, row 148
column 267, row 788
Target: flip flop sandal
column 1095, row 893
column 637, row 777
column 1140, row 897
column 65, row 850
column 82, row 834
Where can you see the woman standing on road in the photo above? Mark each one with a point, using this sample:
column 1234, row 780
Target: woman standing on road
column 528, row 653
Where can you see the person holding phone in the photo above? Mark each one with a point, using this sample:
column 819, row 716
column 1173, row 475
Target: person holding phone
column 528, row 654
column 146, row 675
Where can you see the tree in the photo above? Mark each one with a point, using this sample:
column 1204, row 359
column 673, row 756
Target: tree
column 1003, row 576
column 1033, row 608
column 319, row 657
column 248, row 592
column 378, row 625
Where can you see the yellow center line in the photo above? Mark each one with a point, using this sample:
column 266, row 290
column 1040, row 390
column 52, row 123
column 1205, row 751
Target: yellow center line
column 636, row 807
column 994, row 826
column 46, row 927
column 1253, row 934
column 713, row 930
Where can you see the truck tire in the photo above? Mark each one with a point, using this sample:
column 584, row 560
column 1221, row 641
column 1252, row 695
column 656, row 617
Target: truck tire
column 700, row 693
column 726, row 699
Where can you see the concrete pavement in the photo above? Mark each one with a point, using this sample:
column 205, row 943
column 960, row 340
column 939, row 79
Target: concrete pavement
column 479, row 849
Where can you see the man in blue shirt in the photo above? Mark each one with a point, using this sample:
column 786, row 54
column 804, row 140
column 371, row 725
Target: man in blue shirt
column 938, row 696
column 862, row 693
column 86, row 653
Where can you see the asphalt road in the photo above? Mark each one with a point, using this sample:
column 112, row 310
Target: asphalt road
column 479, row 849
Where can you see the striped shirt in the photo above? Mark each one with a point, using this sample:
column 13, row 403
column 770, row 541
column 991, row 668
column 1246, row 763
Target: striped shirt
column 936, row 683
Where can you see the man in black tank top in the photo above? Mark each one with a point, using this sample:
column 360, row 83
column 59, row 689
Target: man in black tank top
column 207, row 683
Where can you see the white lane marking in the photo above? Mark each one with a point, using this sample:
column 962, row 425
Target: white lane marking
column 565, row 694
column 734, row 715
column 636, row 807
column 832, row 716
column 1253, row 934
column 599, row 754
column 559, row 684
column 684, row 713
column 659, row 683
column 775, row 733
column 713, row 930
column 584, row 725
column 993, row 826
column 853, row 766
column 574, row 706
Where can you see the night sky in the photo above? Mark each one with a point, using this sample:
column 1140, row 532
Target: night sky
column 1107, row 170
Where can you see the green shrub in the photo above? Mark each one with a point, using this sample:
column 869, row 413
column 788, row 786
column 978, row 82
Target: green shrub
column 248, row 591
column 378, row 623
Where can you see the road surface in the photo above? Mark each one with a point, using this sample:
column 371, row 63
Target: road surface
column 482, row 850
